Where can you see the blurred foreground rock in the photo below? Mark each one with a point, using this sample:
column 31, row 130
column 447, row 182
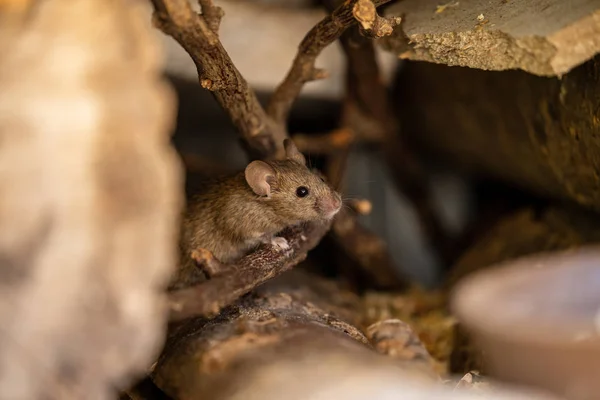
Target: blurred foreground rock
column 523, row 233
column 90, row 198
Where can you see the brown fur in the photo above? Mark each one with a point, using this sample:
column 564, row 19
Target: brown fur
column 228, row 218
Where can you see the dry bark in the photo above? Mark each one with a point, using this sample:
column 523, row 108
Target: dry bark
column 367, row 119
column 90, row 198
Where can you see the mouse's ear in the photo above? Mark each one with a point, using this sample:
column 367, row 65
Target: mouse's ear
column 291, row 152
column 259, row 176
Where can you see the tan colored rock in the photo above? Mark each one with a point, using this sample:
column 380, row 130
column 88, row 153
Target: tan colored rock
column 543, row 37
column 90, row 198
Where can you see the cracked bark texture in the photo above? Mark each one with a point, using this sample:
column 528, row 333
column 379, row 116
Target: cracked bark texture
column 542, row 37
column 89, row 198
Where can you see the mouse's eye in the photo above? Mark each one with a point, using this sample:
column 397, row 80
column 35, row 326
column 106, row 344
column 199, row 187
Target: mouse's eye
column 302, row 191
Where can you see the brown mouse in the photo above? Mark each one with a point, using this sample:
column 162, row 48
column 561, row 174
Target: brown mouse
column 235, row 214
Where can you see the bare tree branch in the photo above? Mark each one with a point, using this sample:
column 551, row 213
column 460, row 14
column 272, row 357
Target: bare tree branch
column 197, row 34
column 371, row 24
column 209, row 297
column 303, row 68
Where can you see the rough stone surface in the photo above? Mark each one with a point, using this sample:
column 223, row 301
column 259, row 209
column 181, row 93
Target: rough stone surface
column 543, row 37
column 90, row 198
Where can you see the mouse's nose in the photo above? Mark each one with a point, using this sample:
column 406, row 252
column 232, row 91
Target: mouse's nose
column 331, row 205
column 336, row 202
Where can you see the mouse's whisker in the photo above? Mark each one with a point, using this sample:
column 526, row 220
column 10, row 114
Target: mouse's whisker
column 347, row 206
column 350, row 198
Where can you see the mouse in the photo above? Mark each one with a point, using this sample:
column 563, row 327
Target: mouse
column 234, row 214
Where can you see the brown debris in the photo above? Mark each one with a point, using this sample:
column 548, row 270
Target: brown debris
column 426, row 314
column 326, row 143
column 473, row 382
column 360, row 206
column 396, row 339
column 208, row 263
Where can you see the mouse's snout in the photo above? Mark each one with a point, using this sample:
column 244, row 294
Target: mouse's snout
column 330, row 205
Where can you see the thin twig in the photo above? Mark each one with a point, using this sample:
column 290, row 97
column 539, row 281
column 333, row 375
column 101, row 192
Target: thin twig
column 371, row 24
column 303, row 68
column 368, row 112
column 325, row 143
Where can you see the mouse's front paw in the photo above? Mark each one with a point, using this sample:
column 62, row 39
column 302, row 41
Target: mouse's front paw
column 280, row 243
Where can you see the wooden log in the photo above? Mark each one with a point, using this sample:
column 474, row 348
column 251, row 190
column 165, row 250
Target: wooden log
column 297, row 335
column 291, row 323
column 539, row 133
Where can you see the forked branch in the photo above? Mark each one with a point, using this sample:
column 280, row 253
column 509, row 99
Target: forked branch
column 198, row 35
column 303, row 68
column 262, row 131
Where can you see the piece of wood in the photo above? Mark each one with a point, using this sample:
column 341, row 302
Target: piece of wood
column 540, row 134
column 209, row 297
column 297, row 337
column 543, row 37
column 91, row 192
column 277, row 334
